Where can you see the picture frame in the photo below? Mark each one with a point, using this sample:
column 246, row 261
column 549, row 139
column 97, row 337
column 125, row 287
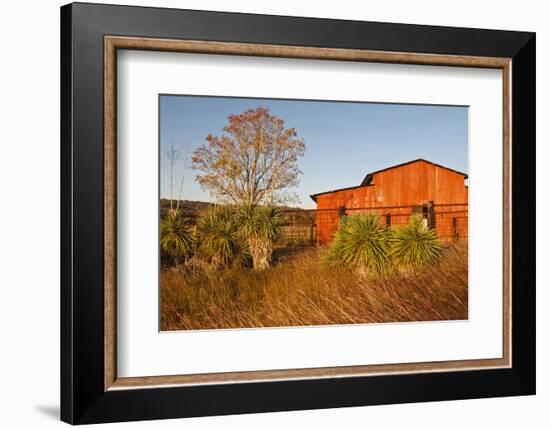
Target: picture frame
column 91, row 391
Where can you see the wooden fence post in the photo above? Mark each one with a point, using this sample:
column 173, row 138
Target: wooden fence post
column 341, row 212
column 455, row 229
column 431, row 215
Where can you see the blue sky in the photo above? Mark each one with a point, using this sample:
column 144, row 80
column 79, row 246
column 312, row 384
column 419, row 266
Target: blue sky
column 344, row 140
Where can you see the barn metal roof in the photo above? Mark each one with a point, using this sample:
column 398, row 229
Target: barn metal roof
column 368, row 178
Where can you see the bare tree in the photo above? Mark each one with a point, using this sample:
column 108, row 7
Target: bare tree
column 185, row 156
column 177, row 155
column 172, row 155
column 253, row 161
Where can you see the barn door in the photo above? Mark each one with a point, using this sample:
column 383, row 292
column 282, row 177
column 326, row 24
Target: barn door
column 427, row 212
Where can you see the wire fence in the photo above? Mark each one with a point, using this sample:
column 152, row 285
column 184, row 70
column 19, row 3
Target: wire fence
column 309, row 227
column 317, row 226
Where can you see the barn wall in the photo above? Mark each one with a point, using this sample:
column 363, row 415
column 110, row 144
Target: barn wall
column 406, row 186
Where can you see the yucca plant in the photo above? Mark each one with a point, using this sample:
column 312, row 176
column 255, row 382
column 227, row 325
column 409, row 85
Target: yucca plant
column 176, row 236
column 219, row 239
column 415, row 244
column 361, row 242
column 261, row 226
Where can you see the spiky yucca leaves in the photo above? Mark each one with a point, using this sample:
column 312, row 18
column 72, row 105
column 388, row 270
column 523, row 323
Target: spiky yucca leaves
column 261, row 226
column 176, row 236
column 415, row 245
column 219, row 239
column 361, row 242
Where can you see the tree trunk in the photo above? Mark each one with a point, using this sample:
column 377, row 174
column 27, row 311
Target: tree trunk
column 261, row 251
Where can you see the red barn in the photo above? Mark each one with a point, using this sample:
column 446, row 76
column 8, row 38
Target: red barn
column 439, row 193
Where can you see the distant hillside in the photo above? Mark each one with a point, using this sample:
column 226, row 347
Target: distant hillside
column 190, row 208
column 195, row 208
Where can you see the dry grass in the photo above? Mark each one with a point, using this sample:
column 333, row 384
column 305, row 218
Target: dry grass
column 303, row 291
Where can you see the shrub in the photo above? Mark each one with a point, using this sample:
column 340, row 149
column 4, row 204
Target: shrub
column 415, row 245
column 361, row 242
column 176, row 236
column 261, row 226
column 219, row 239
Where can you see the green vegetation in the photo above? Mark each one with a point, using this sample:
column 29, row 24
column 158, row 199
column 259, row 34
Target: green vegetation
column 219, row 240
column 362, row 243
column 414, row 244
column 176, row 236
column 224, row 235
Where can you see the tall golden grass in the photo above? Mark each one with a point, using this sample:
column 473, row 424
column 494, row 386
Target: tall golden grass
column 304, row 291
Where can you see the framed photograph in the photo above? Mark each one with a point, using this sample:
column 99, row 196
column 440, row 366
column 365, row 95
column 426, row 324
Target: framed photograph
column 266, row 213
